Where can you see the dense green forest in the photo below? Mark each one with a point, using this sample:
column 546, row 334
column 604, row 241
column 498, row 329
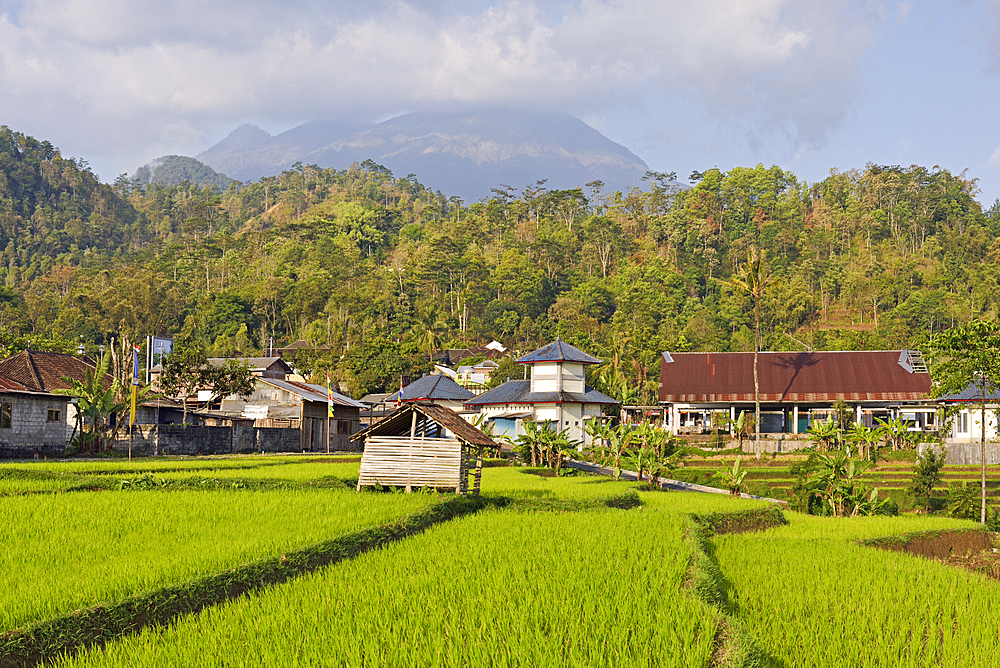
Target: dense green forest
column 384, row 272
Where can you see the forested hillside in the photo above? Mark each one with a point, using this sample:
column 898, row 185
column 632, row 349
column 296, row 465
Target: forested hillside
column 384, row 271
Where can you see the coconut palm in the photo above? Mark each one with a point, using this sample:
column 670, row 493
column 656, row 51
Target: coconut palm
column 754, row 279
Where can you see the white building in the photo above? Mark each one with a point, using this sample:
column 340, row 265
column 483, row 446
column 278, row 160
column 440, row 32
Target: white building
column 556, row 394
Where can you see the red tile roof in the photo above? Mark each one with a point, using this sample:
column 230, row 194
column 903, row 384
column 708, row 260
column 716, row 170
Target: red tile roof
column 44, row 371
column 790, row 377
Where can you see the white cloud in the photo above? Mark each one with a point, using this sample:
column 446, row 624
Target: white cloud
column 135, row 75
column 994, row 160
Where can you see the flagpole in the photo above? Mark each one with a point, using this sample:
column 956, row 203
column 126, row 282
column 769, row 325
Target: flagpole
column 135, row 385
column 329, row 409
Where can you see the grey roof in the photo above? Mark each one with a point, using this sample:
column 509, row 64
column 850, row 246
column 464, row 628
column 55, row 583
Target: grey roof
column 255, row 363
column 519, row 392
column 432, row 388
column 312, row 392
column 372, row 399
column 558, row 351
column 971, row 394
column 399, row 423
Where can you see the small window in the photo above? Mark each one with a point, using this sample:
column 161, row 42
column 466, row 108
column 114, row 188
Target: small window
column 5, row 413
column 54, row 415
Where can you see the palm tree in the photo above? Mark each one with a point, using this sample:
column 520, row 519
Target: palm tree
column 533, row 438
column 754, row 279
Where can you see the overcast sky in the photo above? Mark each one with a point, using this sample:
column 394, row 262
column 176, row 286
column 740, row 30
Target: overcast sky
column 809, row 85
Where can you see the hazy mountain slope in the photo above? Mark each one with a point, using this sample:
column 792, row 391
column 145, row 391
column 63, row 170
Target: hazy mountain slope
column 249, row 153
column 459, row 154
column 172, row 170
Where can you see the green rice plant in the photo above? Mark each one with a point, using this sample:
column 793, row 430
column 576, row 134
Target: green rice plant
column 72, row 551
column 813, row 597
column 495, row 589
column 521, row 482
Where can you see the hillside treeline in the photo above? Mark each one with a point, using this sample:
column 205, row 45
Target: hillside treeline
column 382, row 272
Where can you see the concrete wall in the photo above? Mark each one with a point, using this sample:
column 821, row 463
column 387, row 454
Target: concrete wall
column 30, row 432
column 967, row 453
column 202, row 440
column 772, row 444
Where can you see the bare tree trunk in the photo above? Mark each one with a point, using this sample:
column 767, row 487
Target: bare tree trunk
column 756, row 380
column 982, row 454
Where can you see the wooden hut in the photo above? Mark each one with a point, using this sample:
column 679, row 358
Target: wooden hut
column 422, row 445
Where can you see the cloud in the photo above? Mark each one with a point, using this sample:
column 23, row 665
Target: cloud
column 994, row 160
column 130, row 74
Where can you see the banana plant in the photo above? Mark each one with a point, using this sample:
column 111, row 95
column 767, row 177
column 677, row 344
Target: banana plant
column 95, row 405
column 866, row 439
column 733, row 477
column 824, row 432
column 614, row 441
column 894, row 432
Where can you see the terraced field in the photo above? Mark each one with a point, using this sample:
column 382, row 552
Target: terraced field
column 268, row 562
column 774, row 478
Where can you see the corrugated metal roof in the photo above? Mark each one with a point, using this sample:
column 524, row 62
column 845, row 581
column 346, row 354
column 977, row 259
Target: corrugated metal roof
column 790, row 377
column 255, row 363
column 311, row 392
column 519, row 392
column 558, row 351
column 971, row 394
column 433, row 388
column 398, row 423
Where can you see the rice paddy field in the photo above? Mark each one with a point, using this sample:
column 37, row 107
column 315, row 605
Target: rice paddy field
column 544, row 571
column 774, row 477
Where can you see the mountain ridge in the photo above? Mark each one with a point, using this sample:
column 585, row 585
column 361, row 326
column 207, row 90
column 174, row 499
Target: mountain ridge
column 463, row 154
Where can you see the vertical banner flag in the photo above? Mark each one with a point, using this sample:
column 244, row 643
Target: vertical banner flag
column 135, row 382
column 329, row 396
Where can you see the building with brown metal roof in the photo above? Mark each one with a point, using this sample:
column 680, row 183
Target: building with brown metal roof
column 322, row 417
column 795, row 387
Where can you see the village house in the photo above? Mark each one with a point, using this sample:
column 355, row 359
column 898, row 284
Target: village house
column 702, row 391
column 42, row 372
column 475, row 376
column 432, row 389
column 300, row 406
column 555, row 394
column 32, row 424
column 967, row 417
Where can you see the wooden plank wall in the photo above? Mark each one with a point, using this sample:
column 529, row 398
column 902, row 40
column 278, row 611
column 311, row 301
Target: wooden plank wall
column 401, row 461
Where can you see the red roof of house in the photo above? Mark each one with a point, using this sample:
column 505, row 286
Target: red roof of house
column 791, row 377
column 44, row 371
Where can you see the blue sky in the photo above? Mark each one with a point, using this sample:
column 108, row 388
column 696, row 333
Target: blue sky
column 807, row 85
